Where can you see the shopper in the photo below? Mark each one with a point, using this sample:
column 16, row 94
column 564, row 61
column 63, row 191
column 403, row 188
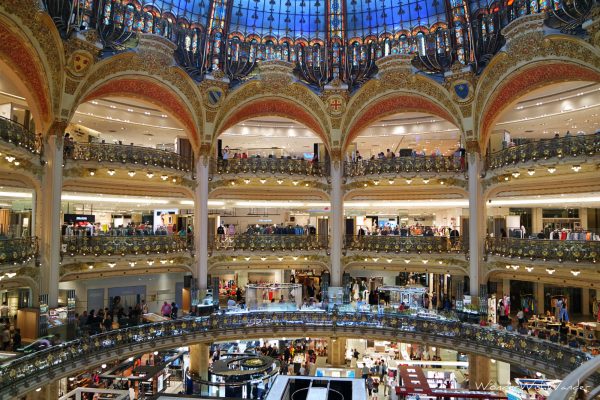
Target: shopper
column 369, row 384
column 521, row 318
column 174, row 310
column 6, row 337
column 16, row 340
column 166, row 310
column 365, row 371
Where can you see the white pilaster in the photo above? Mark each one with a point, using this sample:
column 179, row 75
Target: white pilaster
column 337, row 225
column 476, row 221
column 201, row 222
column 49, row 224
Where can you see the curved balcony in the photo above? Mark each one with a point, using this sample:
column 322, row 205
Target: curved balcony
column 405, row 244
column 265, row 243
column 128, row 155
column 556, row 148
column 405, row 166
column 268, row 166
column 29, row 372
column 545, row 250
column 18, row 251
column 124, row 245
column 17, row 135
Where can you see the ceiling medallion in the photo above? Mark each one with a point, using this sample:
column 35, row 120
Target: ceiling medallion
column 462, row 91
column 336, row 104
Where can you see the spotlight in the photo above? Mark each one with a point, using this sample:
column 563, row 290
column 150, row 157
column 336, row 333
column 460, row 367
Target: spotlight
column 246, row 181
column 552, row 169
column 531, row 171
column 376, row 182
column 426, row 181
column 576, row 168
column 409, row 181
column 279, row 181
column 391, row 181
column 131, row 173
column 550, row 270
column 575, row 272
column 263, row 181
column 150, row 175
column 516, row 174
column 92, row 172
column 111, row 172
column 164, row 177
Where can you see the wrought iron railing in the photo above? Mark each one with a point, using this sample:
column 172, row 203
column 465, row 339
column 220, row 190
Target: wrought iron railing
column 405, row 244
column 125, row 245
column 22, row 374
column 269, row 166
column 128, row 155
column 18, row 250
column 542, row 249
column 254, row 242
column 16, row 134
column 405, row 165
column 556, row 148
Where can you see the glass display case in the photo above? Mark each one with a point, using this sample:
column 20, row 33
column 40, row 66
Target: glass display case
column 411, row 296
column 274, row 297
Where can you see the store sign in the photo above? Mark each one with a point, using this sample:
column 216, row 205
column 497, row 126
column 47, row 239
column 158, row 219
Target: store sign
column 70, row 218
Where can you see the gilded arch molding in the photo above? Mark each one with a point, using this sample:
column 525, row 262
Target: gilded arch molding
column 394, row 92
column 531, row 61
column 145, row 78
column 279, row 95
column 33, row 51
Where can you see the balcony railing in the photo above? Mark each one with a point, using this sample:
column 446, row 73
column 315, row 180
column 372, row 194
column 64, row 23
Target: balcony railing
column 556, row 148
column 15, row 251
column 269, row 166
column 16, row 134
column 125, row 245
column 251, row 242
column 405, row 165
column 28, row 372
column 541, row 249
column 128, row 155
column 405, row 244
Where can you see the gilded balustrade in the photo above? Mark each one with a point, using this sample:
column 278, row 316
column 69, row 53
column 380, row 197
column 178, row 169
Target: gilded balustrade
column 405, row 165
column 557, row 148
column 269, row 166
column 405, row 244
column 125, row 245
column 255, row 242
column 16, row 134
column 20, row 374
column 542, row 249
column 18, row 250
column 128, row 155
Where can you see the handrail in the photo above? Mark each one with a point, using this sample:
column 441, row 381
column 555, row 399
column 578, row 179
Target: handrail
column 542, row 355
column 265, row 165
column 127, row 154
column 543, row 249
column 15, row 133
column 555, row 148
column 122, row 245
column 405, row 244
column 405, row 165
column 18, row 250
column 255, row 242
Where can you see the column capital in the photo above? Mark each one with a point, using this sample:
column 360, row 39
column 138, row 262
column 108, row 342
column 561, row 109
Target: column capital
column 336, row 156
column 473, row 146
column 204, row 150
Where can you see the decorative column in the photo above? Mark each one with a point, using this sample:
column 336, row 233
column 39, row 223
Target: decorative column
column 336, row 352
column 337, row 216
column 48, row 204
column 476, row 217
column 199, row 356
column 479, row 372
column 539, row 298
column 201, row 217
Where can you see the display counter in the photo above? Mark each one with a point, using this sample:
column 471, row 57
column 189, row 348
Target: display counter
column 274, row 297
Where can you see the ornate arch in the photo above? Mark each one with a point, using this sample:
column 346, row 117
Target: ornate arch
column 397, row 90
column 35, row 66
column 273, row 106
column 277, row 94
column 531, row 62
column 134, row 76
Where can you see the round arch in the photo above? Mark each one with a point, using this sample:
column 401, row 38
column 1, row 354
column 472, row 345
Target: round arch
column 150, row 90
column 272, row 106
column 525, row 79
column 390, row 104
column 24, row 67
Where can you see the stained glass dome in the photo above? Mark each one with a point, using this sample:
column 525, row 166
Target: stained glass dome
column 326, row 40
